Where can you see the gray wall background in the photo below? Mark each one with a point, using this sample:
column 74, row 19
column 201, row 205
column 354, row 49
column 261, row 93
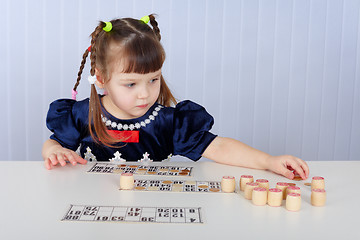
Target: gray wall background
column 280, row 75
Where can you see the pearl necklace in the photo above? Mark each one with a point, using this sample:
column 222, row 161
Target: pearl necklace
column 132, row 126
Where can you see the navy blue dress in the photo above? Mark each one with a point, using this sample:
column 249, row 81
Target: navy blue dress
column 162, row 132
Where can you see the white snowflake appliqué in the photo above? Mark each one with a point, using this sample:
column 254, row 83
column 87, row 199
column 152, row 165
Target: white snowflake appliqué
column 145, row 158
column 89, row 156
column 117, row 158
column 168, row 158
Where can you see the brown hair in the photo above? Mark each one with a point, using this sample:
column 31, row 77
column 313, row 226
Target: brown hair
column 138, row 47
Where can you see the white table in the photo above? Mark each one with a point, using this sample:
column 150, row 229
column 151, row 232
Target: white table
column 33, row 201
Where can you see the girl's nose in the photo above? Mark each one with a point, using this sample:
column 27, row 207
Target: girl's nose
column 144, row 92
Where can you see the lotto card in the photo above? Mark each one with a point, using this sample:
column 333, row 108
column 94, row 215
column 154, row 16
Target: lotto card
column 141, row 169
column 177, row 186
column 137, row 214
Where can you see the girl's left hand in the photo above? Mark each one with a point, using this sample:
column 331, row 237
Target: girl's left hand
column 286, row 164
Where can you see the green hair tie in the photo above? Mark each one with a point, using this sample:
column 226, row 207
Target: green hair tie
column 107, row 27
column 145, row 19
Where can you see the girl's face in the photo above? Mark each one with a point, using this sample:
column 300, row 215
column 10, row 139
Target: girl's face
column 130, row 95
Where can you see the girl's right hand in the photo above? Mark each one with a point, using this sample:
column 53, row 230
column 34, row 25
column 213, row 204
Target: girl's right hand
column 62, row 156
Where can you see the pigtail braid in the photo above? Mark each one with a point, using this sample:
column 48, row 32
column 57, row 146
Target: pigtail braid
column 154, row 24
column 95, row 123
column 94, row 36
column 166, row 98
column 94, row 105
column 82, row 65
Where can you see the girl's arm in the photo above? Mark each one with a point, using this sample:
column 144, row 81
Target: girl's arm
column 232, row 152
column 53, row 154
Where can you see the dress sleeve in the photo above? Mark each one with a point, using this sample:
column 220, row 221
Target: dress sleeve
column 191, row 130
column 64, row 125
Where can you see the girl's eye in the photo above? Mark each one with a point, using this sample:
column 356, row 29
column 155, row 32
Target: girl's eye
column 153, row 80
column 130, row 85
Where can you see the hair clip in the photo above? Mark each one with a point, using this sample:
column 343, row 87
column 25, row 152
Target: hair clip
column 145, row 19
column 92, row 79
column 107, row 27
column 89, row 49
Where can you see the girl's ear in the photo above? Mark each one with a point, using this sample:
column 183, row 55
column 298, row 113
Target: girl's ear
column 99, row 80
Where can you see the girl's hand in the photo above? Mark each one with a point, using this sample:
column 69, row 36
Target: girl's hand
column 63, row 155
column 286, row 164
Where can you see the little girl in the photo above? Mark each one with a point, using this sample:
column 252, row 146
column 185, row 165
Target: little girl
column 138, row 118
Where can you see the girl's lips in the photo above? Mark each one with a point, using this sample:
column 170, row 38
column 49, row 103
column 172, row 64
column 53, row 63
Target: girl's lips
column 142, row 106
